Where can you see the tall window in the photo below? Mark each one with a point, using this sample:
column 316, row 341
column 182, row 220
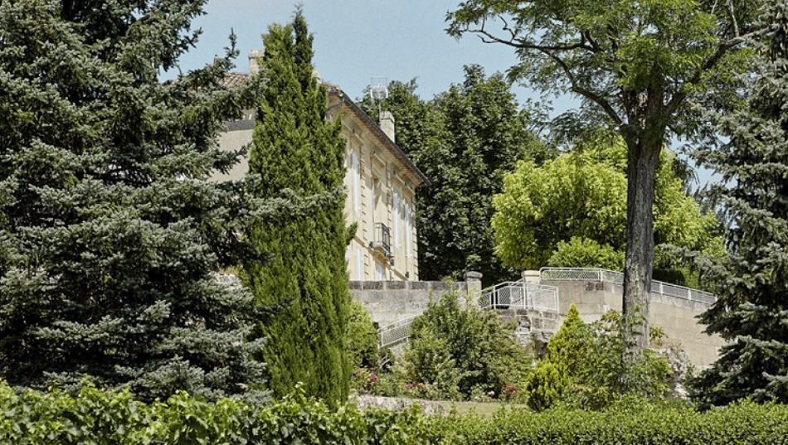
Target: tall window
column 356, row 187
column 396, row 219
column 359, row 264
column 380, row 271
column 408, row 231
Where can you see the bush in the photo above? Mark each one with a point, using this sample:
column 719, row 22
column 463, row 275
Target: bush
column 362, row 338
column 593, row 375
column 585, row 252
column 96, row 417
column 456, row 350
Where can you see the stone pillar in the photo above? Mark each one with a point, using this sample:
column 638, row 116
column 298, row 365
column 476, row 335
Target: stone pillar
column 473, row 280
column 531, row 276
column 387, row 124
column 255, row 56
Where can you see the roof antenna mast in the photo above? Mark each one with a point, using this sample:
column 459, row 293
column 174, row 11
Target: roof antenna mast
column 378, row 90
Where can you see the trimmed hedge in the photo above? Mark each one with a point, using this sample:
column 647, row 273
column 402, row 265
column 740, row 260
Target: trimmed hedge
column 95, row 417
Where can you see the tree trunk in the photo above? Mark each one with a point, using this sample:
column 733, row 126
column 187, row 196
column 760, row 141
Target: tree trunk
column 642, row 162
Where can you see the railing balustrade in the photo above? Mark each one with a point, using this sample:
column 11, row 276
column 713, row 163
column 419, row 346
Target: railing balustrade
column 617, row 278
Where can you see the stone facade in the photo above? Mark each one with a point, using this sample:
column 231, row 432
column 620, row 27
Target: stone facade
column 380, row 182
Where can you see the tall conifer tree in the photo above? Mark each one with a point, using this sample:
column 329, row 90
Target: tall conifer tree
column 752, row 311
column 297, row 149
column 110, row 233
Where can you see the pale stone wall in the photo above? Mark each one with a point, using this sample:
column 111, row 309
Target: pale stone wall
column 674, row 315
column 234, row 140
column 391, row 301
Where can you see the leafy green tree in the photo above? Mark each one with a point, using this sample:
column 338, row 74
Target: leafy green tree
column 752, row 308
column 110, row 233
column 570, row 211
column 638, row 67
column 462, row 349
column 298, row 152
column 464, row 140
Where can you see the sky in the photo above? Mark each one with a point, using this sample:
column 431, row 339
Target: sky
column 357, row 40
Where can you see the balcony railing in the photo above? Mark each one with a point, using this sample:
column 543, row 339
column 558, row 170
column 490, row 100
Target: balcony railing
column 382, row 239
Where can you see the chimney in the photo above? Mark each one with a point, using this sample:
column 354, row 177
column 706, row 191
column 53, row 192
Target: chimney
column 255, row 57
column 387, row 124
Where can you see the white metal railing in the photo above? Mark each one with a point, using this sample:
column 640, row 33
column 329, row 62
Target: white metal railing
column 395, row 333
column 518, row 294
column 617, row 278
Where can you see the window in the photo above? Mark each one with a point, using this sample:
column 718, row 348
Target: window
column 359, row 264
column 356, row 187
column 380, row 271
column 396, row 220
column 408, row 231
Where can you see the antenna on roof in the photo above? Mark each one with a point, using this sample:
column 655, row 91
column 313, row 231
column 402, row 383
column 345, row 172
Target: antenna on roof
column 378, row 90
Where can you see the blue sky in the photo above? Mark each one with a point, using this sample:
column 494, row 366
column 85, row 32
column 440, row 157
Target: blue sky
column 357, row 40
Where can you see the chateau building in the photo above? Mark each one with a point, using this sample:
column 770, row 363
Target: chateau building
column 380, row 181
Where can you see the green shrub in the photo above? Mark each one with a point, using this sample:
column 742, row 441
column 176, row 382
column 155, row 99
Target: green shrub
column 94, row 417
column 585, row 252
column 590, row 357
column 545, row 385
column 362, row 338
column 458, row 349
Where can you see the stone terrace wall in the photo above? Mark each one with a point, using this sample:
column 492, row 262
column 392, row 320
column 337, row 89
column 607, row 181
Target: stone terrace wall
column 675, row 316
column 391, row 301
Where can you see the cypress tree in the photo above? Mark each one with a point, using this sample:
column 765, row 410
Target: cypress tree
column 297, row 151
column 752, row 311
column 110, row 233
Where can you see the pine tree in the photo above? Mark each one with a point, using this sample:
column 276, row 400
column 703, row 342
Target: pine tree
column 752, row 310
column 296, row 149
column 110, row 233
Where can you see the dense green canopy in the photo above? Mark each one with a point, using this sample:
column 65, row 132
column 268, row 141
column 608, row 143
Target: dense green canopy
column 110, row 233
column 297, row 151
column 571, row 211
column 752, row 310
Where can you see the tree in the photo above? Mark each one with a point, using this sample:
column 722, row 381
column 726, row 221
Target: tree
column 464, row 140
column 639, row 66
column 110, row 233
column 455, row 350
column 752, row 288
column 570, row 211
column 296, row 151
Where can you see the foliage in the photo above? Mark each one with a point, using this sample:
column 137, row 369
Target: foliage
column 584, row 252
column 362, row 338
column 545, row 385
column 639, row 67
column 455, row 349
column 296, row 151
column 95, row 417
column 110, row 233
column 586, row 368
column 752, row 286
column 463, row 140
column 570, row 211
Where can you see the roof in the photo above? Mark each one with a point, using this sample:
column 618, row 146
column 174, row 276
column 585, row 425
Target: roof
column 235, row 79
column 375, row 129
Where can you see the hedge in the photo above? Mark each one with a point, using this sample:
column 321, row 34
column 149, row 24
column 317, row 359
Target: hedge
column 95, row 417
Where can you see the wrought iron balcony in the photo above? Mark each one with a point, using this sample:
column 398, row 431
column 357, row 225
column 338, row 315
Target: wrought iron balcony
column 382, row 239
